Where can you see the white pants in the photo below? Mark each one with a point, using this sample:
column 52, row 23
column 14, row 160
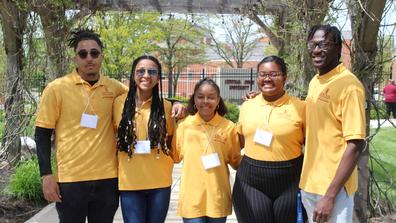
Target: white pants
column 342, row 211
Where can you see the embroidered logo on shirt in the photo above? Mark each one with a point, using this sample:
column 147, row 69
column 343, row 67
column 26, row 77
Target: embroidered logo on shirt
column 324, row 95
column 108, row 94
column 219, row 137
column 284, row 114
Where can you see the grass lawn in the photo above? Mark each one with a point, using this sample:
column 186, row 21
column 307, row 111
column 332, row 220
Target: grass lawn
column 383, row 148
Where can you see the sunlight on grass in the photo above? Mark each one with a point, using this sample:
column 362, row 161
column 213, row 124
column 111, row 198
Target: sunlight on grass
column 383, row 149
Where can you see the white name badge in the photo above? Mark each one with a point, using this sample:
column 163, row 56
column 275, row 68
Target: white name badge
column 89, row 121
column 142, row 147
column 263, row 137
column 210, row 161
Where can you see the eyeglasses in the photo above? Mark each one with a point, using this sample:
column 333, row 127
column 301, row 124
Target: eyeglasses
column 323, row 45
column 84, row 54
column 273, row 74
column 151, row 71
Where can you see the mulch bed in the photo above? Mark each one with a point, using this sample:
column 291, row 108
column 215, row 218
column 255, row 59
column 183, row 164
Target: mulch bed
column 11, row 209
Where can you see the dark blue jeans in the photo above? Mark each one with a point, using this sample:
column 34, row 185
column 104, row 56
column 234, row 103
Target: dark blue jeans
column 205, row 220
column 145, row 206
column 96, row 200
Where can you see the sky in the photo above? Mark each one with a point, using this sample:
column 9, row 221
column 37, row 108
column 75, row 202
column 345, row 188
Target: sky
column 343, row 22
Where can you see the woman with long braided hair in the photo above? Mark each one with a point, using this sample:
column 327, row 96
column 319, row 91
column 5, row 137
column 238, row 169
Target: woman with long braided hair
column 145, row 127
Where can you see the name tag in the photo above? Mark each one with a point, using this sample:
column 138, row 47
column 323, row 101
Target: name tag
column 210, row 161
column 89, row 121
column 142, row 147
column 263, row 137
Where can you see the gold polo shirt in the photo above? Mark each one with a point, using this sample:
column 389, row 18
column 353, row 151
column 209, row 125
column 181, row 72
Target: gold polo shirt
column 144, row 171
column 205, row 192
column 283, row 118
column 335, row 114
column 82, row 154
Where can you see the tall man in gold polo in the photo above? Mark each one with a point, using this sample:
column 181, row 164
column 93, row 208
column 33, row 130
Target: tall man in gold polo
column 335, row 131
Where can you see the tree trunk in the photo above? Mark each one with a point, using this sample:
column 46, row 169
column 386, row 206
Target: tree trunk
column 56, row 28
column 288, row 36
column 170, row 80
column 13, row 22
column 365, row 25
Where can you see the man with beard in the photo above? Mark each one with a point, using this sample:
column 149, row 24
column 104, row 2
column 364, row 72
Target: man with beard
column 335, row 131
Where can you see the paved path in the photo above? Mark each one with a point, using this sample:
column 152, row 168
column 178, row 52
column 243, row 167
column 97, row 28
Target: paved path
column 49, row 215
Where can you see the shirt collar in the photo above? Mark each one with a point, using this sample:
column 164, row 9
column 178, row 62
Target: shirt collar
column 277, row 103
column 336, row 70
column 78, row 80
column 147, row 103
column 215, row 121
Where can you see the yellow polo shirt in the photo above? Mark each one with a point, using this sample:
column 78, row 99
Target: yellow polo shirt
column 143, row 171
column 82, row 153
column 335, row 114
column 205, row 192
column 284, row 118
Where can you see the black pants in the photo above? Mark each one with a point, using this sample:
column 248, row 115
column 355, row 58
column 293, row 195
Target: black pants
column 96, row 200
column 391, row 108
column 266, row 192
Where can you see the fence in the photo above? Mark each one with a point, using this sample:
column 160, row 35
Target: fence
column 233, row 83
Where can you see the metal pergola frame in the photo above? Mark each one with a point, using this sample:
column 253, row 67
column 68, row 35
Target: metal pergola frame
column 185, row 6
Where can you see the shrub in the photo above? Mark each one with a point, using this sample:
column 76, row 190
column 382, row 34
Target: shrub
column 183, row 100
column 233, row 112
column 25, row 183
column 381, row 109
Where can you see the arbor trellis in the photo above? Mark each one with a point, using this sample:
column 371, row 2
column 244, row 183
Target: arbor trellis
column 287, row 16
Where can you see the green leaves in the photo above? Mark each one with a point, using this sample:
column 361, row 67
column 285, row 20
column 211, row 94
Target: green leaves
column 25, row 183
column 126, row 36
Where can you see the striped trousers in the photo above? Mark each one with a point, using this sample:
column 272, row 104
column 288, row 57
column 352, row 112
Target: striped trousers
column 266, row 191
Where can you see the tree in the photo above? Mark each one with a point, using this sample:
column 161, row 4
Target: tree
column 13, row 17
column 240, row 40
column 180, row 44
column 366, row 17
column 56, row 27
column 287, row 27
column 126, row 36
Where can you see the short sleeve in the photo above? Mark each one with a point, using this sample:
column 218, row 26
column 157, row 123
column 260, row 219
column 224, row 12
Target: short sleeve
column 234, row 155
column 238, row 125
column 177, row 143
column 353, row 113
column 118, row 107
column 49, row 109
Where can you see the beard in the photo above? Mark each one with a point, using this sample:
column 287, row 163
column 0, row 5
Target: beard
column 91, row 74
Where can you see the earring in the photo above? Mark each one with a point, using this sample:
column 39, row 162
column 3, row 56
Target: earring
column 195, row 107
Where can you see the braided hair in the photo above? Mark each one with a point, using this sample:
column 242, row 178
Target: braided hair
column 126, row 137
column 79, row 35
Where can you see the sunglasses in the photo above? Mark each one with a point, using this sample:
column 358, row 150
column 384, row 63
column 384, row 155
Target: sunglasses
column 84, row 54
column 151, row 71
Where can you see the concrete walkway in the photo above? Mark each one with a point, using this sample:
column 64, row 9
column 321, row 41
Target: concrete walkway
column 49, row 215
column 383, row 123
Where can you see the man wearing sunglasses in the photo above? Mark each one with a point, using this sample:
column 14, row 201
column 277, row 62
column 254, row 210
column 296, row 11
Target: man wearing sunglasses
column 78, row 108
column 335, row 131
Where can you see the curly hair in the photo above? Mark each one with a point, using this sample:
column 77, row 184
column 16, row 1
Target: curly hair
column 126, row 137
